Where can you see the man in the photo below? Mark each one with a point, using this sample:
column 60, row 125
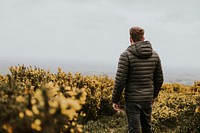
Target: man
column 140, row 73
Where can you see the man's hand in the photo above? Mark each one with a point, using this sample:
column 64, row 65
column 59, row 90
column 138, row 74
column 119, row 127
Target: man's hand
column 117, row 107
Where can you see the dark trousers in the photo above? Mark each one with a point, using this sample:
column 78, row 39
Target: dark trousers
column 139, row 113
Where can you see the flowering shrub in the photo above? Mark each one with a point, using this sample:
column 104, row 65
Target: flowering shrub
column 177, row 109
column 35, row 100
column 31, row 105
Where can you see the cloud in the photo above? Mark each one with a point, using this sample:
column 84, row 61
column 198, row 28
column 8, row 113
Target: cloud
column 97, row 29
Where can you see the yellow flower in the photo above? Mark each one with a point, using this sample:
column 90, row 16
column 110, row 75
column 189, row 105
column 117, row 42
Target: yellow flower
column 52, row 111
column 26, row 91
column 197, row 110
column 52, row 89
column 67, row 88
column 35, row 110
column 20, row 99
column 69, row 113
column 33, row 126
column 53, row 104
column 71, row 103
column 21, row 115
column 8, row 128
column 38, row 122
column 38, row 95
column 69, row 107
column 82, row 114
column 72, row 92
column 28, row 112
column 72, row 130
column 66, row 126
column 33, row 101
column 41, row 103
column 80, row 128
column 36, row 125
column 73, row 123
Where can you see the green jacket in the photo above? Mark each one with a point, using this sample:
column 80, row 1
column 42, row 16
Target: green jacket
column 139, row 72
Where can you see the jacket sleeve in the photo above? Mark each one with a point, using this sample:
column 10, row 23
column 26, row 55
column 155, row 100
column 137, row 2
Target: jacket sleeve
column 121, row 76
column 158, row 78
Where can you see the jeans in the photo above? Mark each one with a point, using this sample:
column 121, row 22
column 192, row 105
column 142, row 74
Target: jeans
column 139, row 113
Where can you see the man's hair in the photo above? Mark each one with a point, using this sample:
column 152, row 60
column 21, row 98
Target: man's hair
column 136, row 33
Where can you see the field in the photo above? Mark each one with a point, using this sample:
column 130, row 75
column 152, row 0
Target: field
column 35, row 100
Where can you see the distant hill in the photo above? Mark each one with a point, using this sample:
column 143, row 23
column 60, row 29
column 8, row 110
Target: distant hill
column 171, row 74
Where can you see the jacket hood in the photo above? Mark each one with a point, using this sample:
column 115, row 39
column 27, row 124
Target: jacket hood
column 142, row 49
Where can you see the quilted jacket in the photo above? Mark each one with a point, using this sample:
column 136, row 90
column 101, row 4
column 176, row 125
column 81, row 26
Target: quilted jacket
column 139, row 73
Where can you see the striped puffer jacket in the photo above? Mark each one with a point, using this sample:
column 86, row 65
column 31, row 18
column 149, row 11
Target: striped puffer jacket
column 139, row 73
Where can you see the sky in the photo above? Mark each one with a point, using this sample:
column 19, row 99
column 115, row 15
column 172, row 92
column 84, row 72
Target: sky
column 97, row 31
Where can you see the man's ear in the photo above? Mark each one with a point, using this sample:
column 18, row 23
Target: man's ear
column 131, row 41
column 143, row 38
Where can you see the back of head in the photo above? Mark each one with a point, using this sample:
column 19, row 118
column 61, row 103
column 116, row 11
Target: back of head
column 136, row 34
column 140, row 48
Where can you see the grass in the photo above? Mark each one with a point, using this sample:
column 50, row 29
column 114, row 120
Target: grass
column 108, row 124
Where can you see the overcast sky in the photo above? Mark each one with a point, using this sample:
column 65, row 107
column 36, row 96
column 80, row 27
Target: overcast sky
column 97, row 30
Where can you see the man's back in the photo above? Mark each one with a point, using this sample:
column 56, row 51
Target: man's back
column 143, row 66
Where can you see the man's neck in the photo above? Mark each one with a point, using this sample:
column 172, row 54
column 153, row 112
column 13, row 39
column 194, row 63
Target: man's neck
column 132, row 43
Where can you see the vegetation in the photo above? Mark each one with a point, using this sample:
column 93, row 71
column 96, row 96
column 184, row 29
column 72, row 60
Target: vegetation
column 35, row 100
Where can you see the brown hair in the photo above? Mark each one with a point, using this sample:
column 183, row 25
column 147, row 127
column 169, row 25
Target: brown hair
column 136, row 33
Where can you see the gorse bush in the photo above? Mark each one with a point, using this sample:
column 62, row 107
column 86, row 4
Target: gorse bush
column 25, row 108
column 177, row 109
column 30, row 103
column 35, row 100
column 98, row 88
